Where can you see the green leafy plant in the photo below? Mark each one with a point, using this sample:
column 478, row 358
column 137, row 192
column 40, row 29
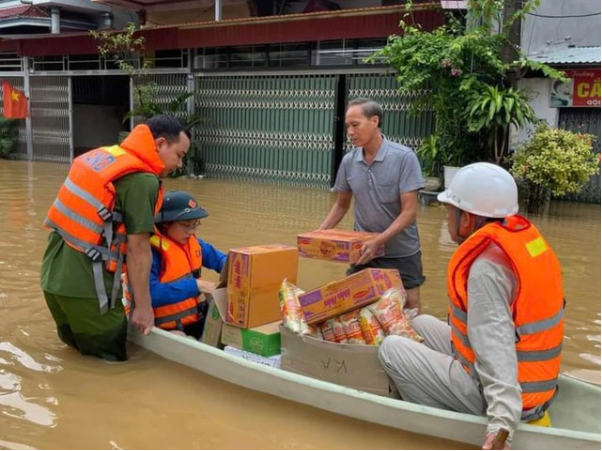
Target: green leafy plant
column 126, row 50
column 494, row 109
column 430, row 156
column 9, row 135
column 454, row 69
column 556, row 161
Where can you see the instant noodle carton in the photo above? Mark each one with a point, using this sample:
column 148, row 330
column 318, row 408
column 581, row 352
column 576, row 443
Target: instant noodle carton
column 352, row 292
column 335, row 245
column 254, row 277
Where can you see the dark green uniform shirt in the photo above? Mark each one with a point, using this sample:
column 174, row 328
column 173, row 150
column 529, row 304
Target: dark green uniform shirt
column 67, row 272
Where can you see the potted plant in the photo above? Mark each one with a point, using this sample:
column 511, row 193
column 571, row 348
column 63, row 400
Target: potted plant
column 429, row 154
column 553, row 162
column 493, row 109
column 457, row 151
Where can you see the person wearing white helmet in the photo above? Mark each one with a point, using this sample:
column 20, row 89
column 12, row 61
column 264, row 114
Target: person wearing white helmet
column 500, row 354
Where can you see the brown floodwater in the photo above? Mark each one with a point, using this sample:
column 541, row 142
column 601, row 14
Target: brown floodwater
column 51, row 397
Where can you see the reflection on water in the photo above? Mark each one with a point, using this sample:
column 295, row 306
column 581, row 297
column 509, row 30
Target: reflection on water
column 12, row 445
column 50, row 397
column 15, row 405
column 26, row 360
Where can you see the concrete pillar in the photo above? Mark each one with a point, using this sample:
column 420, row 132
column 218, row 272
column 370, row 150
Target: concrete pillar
column 106, row 21
column 218, row 10
column 55, row 20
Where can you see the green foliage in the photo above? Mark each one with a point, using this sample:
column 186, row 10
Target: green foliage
column 123, row 48
column 146, row 107
column 495, row 109
column 430, row 155
column 488, row 13
column 559, row 160
column 126, row 50
column 555, row 74
column 455, row 69
column 9, row 134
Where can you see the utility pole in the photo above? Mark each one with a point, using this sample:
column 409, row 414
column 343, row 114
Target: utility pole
column 510, row 49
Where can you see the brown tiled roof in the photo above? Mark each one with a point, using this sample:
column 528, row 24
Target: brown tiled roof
column 22, row 11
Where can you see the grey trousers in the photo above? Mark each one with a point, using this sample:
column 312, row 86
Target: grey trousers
column 427, row 373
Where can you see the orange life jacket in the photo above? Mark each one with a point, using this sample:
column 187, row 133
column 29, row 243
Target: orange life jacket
column 178, row 262
column 537, row 309
column 83, row 211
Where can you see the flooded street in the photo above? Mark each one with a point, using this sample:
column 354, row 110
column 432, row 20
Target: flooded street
column 51, row 397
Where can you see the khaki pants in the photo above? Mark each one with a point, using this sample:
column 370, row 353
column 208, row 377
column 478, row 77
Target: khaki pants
column 427, row 373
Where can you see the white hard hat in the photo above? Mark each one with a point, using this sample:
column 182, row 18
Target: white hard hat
column 483, row 189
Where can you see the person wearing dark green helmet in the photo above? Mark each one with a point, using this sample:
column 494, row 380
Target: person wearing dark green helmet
column 178, row 257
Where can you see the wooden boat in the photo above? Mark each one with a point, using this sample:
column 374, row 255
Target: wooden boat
column 575, row 413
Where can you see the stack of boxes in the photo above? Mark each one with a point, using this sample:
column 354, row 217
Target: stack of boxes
column 245, row 319
column 351, row 365
column 247, row 309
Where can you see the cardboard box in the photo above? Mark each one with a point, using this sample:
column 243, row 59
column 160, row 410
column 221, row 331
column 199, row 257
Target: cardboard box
column 335, row 245
column 273, row 361
column 261, row 340
column 355, row 366
column 352, row 292
column 264, row 340
column 212, row 331
column 254, row 277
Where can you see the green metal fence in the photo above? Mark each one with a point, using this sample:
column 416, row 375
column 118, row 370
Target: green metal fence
column 276, row 127
column 399, row 124
column 51, row 112
column 272, row 127
column 281, row 128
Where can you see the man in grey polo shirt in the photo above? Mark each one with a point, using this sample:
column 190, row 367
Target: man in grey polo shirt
column 384, row 178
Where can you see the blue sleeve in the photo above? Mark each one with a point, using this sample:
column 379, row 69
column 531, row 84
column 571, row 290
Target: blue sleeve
column 169, row 293
column 212, row 258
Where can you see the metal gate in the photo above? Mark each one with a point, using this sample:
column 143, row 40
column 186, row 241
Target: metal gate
column 399, row 125
column 21, row 149
column 51, row 111
column 584, row 120
column 50, row 107
column 267, row 127
column 274, row 127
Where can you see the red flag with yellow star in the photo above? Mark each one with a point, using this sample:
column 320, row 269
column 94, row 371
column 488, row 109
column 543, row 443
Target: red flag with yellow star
column 15, row 102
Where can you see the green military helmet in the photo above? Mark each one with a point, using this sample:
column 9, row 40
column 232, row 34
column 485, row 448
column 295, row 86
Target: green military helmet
column 179, row 206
